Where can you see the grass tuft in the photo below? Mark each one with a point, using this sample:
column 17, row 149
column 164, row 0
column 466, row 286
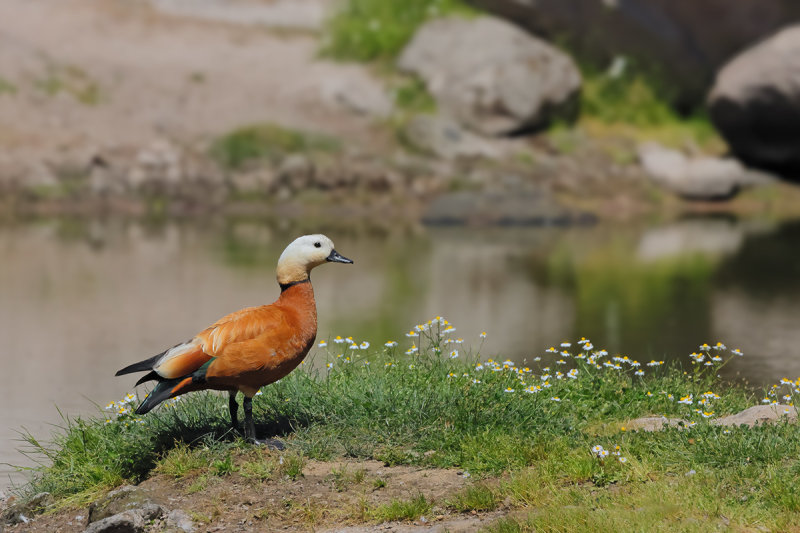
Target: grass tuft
column 410, row 509
column 479, row 497
column 266, row 142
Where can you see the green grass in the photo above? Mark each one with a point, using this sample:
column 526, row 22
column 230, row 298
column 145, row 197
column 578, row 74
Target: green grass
column 478, row 497
column 634, row 106
column 410, row 509
column 369, row 30
column 267, row 142
column 72, row 80
column 411, row 96
column 530, row 450
column 6, row 87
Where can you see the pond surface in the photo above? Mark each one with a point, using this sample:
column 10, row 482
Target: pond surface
column 80, row 299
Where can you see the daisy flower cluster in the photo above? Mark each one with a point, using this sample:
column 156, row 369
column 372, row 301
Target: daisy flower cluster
column 122, row 411
column 784, row 392
column 709, row 356
column 560, row 368
column 349, row 350
column 436, row 337
column 602, row 454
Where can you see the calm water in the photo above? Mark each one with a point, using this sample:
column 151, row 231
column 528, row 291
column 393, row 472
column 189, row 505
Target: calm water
column 80, row 299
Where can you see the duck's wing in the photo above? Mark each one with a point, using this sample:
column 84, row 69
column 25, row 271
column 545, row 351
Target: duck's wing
column 241, row 326
column 185, row 358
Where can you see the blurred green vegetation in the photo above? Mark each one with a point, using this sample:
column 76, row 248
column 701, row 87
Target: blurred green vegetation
column 267, row 142
column 635, row 104
column 72, row 80
column 411, row 96
column 369, row 30
column 6, row 87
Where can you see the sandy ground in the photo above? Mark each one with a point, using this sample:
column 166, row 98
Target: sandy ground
column 90, row 74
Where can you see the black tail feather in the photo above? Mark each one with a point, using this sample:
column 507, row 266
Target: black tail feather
column 150, row 376
column 141, row 366
column 162, row 391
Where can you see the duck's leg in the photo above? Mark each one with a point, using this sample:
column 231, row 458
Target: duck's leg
column 234, row 408
column 250, row 428
column 249, row 425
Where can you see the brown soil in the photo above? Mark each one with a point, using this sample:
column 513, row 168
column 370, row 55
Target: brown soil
column 86, row 75
column 316, row 501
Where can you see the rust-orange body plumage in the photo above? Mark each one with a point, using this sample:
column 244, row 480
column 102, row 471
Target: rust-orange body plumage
column 250, row 348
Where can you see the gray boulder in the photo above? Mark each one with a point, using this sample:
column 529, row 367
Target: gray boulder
column 758, row 414
column 492, row 76
column 755, row 103
column 697, row 178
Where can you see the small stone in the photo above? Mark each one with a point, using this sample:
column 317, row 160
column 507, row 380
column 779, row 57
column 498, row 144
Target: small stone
column 125, row 522
column 296, row 171
column 23, row 511
column 180, row 521
column 125, row 498
column 698, row 178
column 444, row 137
column 358, row 93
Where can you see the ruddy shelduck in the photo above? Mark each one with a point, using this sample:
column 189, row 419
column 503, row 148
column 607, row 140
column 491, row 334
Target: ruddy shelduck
column 248, row 349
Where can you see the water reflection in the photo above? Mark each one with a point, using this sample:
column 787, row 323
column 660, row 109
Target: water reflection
column 81, row 298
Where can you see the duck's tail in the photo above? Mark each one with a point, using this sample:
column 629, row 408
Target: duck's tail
column 169, row 388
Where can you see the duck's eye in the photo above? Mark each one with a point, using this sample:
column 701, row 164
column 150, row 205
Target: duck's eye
column 317, row 245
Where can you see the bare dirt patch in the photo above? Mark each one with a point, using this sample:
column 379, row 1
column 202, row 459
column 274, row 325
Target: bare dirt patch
column 84, row 75
column 334, row 496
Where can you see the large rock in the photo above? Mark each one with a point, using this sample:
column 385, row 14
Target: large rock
column 492, row 76
column 755, row 103
column 685, row 42
column 758, row 414
column 698, row 178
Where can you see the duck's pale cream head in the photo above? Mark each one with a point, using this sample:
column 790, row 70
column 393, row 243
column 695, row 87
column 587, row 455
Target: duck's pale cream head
column 303, row 254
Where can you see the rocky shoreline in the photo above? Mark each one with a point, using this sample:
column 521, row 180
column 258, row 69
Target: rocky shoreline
column 84, row 141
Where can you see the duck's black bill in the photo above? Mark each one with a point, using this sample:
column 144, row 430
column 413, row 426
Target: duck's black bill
column 334, row 257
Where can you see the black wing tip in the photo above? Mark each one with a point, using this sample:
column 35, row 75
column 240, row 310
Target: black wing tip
column 150, row 376
column 141, row 366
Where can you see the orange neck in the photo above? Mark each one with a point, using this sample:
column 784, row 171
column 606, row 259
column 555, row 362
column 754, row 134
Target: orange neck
column 299, row 298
